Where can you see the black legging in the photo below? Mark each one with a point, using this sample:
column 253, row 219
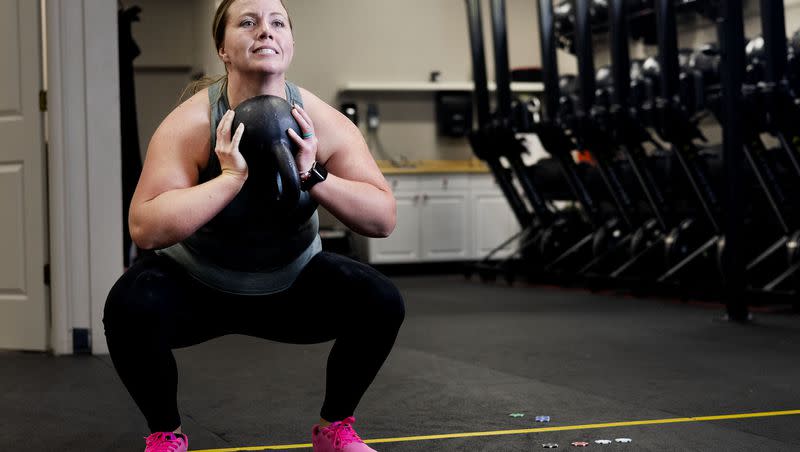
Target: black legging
column 156, row 307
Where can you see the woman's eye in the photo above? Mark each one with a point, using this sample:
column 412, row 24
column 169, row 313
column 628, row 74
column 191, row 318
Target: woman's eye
column 247, row 23
column 277, row 23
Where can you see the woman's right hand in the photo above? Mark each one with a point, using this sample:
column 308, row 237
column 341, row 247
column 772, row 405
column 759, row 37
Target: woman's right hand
column 230, row 159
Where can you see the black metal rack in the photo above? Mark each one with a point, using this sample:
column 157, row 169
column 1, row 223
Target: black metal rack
column 731, row 35
column 637, row 11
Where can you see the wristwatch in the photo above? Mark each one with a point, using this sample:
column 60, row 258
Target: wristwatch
column 315, row 175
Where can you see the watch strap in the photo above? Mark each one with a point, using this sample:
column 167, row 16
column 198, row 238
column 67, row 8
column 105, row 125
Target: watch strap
column 313, row 176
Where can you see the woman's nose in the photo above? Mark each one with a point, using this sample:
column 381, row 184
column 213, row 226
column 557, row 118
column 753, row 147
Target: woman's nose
column 266, row 32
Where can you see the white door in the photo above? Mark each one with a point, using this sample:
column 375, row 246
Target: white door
column 23, row 298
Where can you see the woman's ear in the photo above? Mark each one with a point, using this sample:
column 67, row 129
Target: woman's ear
column 223, row 55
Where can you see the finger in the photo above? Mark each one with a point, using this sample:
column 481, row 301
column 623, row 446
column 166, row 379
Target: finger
column 223, row 129
column 220, row 124
column 304, row 115
column 222, row 118
column 297, row 138
column 237, row 137
column 301, row 121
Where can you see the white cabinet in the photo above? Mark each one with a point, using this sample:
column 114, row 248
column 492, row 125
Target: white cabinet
column 445, row 217
column 403, row 245
column 493, row 221
column 432, row 220
column 444, row 221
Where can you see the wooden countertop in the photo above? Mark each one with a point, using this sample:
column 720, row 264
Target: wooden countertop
column 434, row 166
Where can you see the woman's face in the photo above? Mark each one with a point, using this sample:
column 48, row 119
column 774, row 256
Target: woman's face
column 257, row 37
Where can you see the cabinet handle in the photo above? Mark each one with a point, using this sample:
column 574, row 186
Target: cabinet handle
column 416, row 199
column 444, row 183
column 425, row 197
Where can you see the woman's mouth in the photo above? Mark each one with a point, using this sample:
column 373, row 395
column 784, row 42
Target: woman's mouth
column 265, row 51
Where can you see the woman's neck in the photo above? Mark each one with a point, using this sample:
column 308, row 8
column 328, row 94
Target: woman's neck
column 242, row 87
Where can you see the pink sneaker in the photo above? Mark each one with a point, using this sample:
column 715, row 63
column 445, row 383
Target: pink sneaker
column 167, row 442
column 338, row 437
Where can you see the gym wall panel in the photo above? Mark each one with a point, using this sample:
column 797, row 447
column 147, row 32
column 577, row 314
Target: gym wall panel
column 792, row 15
column 172, row 36
column 167, row 32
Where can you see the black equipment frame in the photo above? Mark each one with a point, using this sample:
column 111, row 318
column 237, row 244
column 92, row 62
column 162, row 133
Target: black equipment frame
column 676, row 129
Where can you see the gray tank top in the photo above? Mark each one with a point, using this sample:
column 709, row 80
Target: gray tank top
column 233, row 254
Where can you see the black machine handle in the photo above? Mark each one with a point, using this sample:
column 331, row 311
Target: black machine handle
column 549, row 62
column 674, row 126
column 478, row 63
column 775, row 49
column 620, row 56
column 628, row 132
column 731, row 35
column 583, row 50
column 667, row 31
column 550, row 132
column 502, row 71
column 480, row 140
column 591, row 135
column 502, row 129
column 773, row 28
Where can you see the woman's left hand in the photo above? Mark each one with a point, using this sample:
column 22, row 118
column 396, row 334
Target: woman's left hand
column 307, row 153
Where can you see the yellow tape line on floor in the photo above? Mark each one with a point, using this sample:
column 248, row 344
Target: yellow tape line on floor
column 530, row 430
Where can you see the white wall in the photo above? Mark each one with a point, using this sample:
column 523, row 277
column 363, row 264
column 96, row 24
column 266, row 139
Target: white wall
column 168, row 35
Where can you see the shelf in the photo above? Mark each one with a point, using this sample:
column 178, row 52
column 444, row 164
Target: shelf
column 528, row 87
column 434, row 166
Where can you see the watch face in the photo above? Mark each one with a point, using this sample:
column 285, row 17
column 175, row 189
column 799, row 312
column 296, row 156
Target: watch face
column 317, row 173
column 320, row 173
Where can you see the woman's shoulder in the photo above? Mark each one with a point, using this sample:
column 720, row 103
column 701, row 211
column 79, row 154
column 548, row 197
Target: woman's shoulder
column 318, row 107
column 187, row 126
column 192, row 113
column 310, row 98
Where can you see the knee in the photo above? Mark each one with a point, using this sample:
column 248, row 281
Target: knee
column 388, row 307
column 396, row 306
column 132, row 302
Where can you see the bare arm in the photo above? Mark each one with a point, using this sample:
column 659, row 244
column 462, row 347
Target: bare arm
column 168, row 205
column 355, row 191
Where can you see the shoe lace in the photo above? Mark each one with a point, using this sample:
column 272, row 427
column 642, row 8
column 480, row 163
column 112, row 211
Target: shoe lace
column 162, row 442
column 343, row 433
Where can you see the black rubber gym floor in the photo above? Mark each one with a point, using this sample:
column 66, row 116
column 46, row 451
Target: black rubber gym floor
column 468, row 357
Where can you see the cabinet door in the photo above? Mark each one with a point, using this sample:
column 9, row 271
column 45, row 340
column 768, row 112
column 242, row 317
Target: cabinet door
column 492, row 218
column 403, row 244
column 494, row 223
column 445, row 228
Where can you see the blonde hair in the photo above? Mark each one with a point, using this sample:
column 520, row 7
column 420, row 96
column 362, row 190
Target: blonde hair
column 218, row 33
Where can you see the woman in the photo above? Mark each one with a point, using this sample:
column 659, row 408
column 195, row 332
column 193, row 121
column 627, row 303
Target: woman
column 214, row 273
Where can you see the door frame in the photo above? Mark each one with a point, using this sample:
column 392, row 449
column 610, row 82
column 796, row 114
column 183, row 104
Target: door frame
column 84, row 167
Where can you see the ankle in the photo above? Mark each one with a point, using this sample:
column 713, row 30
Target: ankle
column 323, row 423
